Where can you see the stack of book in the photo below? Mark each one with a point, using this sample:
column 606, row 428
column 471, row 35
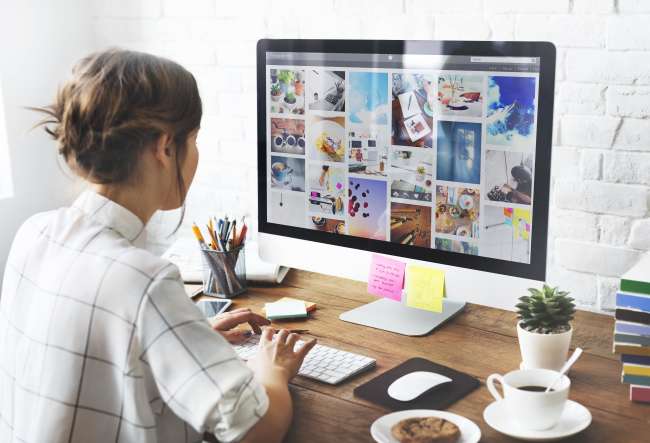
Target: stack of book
column 632, row 330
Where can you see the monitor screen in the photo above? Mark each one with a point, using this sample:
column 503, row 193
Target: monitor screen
column 429, row 155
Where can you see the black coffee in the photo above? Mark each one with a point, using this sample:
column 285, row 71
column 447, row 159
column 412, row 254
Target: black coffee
column 533, row 388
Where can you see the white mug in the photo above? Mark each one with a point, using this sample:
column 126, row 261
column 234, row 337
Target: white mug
column 528, row 409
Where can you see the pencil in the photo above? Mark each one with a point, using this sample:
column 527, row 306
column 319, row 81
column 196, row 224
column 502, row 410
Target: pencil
column 198, row 235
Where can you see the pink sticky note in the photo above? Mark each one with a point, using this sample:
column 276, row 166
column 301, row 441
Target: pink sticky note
column 386, row 277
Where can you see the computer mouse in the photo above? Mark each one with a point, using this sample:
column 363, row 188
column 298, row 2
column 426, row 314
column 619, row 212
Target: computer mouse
column 410, row 386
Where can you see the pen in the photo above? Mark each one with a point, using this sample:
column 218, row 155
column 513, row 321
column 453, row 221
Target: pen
column 409, row 106
column 233, row 232
column 293, row 331
column 242, row 234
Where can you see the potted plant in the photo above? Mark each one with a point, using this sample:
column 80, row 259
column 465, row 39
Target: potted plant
column 290, row 100
column 285, row 77
column 276, row 92
column 544, row 327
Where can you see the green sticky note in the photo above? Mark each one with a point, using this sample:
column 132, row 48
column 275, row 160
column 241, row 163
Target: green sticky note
column 425, row 288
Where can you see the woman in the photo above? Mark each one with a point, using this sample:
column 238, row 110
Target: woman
column 99, row 340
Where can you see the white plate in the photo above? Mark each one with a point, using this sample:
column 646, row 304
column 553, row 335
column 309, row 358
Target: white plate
column 574, row 419
column 380, row 429
column 330, row 128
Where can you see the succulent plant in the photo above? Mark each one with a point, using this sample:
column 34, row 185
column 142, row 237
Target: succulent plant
column 546, row 311
column 290, row 97
column 286, row 76
column 275, row 89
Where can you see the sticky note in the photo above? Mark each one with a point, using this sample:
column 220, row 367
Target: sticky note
column 386, row 277
column 425, row 288
column 522, row 222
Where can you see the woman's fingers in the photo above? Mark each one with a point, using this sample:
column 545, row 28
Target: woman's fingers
column 305, row 348
column 282, row 336
column 237, row 336
column 291, row 340
column 232, row 319
column 267, row 334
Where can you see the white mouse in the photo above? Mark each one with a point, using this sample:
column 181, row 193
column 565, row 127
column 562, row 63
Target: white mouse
column 410, row 386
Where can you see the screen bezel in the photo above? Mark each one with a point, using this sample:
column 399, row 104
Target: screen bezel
column 536, row 269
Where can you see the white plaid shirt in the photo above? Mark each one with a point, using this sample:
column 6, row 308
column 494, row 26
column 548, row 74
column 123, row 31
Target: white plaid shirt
column 99, row 342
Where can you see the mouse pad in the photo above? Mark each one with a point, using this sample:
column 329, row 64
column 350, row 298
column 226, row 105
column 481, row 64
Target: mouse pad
column 439, row 397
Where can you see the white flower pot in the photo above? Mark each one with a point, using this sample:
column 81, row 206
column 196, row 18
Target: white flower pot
column 543, row 351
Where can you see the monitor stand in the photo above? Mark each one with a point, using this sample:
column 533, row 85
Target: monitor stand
column 396, row 317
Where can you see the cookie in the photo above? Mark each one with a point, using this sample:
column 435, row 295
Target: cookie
column 425, row 430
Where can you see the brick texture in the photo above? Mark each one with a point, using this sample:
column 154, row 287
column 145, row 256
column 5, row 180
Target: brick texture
column 599, row 221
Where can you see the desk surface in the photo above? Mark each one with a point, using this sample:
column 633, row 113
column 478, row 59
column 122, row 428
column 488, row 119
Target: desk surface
column 480, row 341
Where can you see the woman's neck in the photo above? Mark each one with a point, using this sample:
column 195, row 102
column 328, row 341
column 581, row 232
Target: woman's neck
column 136, row 200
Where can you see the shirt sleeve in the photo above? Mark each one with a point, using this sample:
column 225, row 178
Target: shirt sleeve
column 197, row 372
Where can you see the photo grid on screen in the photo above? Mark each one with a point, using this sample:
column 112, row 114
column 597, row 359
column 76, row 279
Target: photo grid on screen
column 430, row 158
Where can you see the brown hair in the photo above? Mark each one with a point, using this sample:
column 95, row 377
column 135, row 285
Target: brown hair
column 117, row 104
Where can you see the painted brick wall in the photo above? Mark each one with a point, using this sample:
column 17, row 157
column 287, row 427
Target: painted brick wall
column 600, row 220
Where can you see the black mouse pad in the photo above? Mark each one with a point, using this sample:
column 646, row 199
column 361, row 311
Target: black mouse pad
column 439, row 397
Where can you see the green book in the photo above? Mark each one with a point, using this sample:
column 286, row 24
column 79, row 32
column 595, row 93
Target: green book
column 635, row 380
column 637, row 279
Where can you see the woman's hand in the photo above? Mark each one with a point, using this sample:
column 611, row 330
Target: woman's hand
column 275, row 360
column 225, row 322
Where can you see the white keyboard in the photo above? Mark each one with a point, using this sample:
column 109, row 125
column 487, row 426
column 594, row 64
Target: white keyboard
column 322, row 363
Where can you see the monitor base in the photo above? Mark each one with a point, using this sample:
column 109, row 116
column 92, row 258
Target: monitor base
column 393, row 316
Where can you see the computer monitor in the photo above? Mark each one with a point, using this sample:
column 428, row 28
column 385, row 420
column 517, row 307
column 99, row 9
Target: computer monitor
column 429, row 151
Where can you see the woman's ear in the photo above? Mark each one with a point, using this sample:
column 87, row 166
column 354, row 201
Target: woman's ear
column 163, row 151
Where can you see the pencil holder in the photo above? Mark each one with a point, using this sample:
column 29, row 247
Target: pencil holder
column 224, row 272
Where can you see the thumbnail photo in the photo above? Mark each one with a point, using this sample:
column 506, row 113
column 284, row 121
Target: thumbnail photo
column 368, row 98
column 287, row 91
column 457, row 211
column 462, row 247
column 368, row 149
column 288, row 136
column 509, row 176
column 326, row 90
column 410, row 224
column 459, row 152
column 326, row 189
column 326, row 225
column 287, row 208
column 327, row 138
column 507, row 234
column 367, row 212
column 411, row 174
column 287, row 173
column 413, row 101
column 460, row 94
column 511, row 112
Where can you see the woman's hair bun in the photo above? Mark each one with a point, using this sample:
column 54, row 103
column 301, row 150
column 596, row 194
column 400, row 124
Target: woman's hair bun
column 116, row 104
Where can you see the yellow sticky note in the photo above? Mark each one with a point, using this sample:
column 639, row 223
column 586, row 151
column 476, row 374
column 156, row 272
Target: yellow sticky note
column 425, row 288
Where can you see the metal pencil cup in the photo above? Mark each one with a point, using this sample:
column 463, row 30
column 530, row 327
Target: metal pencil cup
column 224, row 272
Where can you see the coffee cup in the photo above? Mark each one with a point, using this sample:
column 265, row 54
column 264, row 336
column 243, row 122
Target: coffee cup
column 524, row 398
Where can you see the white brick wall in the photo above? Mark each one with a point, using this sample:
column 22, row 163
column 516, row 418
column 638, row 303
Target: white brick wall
column 599, row 221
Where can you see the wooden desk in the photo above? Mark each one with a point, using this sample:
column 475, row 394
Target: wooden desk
column 480, row 341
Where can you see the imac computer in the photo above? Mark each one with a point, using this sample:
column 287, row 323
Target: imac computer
column 434, row 152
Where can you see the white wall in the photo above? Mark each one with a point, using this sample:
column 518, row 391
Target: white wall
column 39, row 41
column 601, row 173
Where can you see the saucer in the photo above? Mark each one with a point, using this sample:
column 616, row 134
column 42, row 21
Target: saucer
column 380, row 429
column 574, row 419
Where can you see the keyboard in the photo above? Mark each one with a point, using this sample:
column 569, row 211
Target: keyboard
column 322, row 363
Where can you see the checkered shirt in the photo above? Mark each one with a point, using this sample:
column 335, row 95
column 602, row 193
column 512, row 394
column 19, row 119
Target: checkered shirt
column 100, row 343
